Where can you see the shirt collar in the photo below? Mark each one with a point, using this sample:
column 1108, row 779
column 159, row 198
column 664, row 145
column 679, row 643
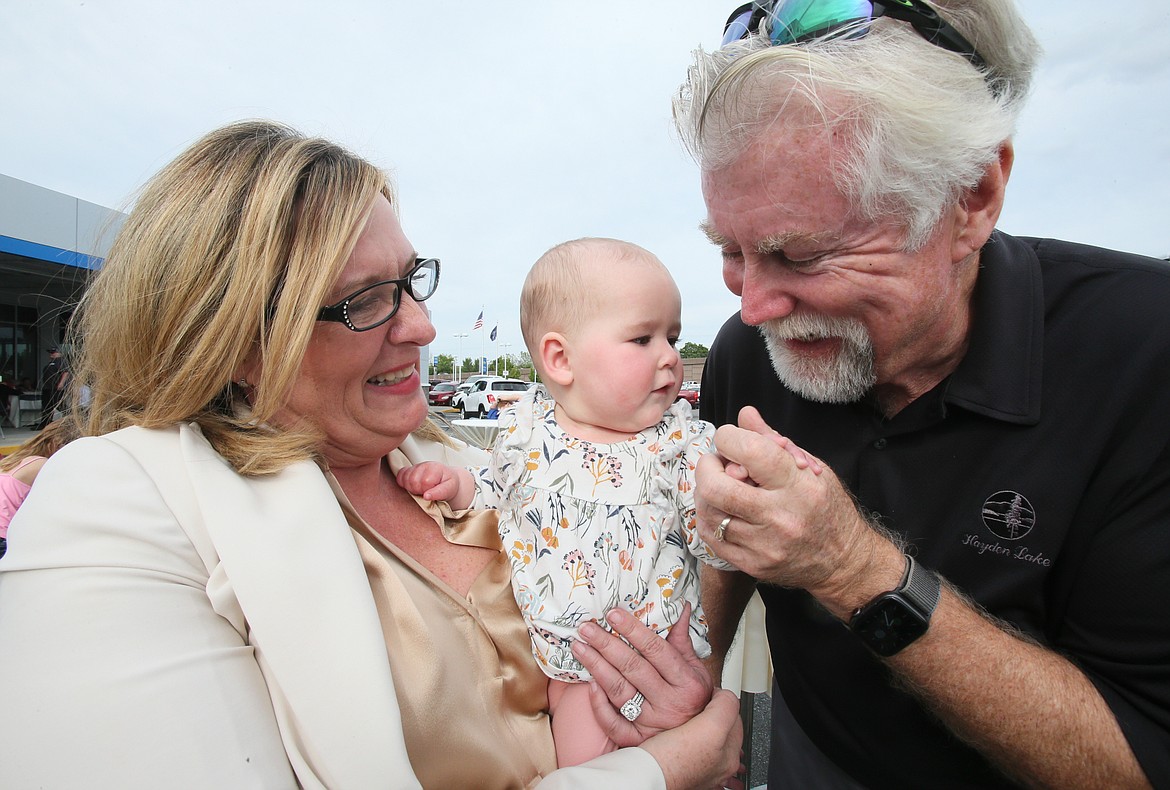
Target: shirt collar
column 1000, row 375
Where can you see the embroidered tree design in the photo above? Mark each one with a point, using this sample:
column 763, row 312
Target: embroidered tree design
column 1017, row 518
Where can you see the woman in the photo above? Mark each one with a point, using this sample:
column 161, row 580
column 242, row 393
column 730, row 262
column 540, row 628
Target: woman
column 234, row 591
column 19, row 470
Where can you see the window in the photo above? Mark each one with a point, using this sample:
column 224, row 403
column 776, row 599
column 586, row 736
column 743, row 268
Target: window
column 18, row 344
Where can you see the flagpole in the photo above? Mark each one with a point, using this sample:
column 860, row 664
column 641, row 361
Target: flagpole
column 482, row 342
column 459, row 370
column 479, row 325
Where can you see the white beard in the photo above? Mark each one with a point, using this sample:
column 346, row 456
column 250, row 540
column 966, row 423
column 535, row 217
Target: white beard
column 844, row 378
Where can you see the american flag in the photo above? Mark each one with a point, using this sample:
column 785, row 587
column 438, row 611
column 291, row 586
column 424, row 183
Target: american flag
column 478, row 322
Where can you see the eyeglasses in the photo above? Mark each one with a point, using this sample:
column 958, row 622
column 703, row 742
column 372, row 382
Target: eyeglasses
column 795, row 21
column 376, row 304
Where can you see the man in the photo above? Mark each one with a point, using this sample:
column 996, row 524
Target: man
column 54, row 379
column 993, row 407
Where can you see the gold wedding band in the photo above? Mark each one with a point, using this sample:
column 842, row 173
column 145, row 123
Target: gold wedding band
column 722, row 528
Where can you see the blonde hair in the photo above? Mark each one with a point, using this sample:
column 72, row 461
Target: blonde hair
column 227, row 257
column 921, row 123
column 558, row 295
column 51, row 438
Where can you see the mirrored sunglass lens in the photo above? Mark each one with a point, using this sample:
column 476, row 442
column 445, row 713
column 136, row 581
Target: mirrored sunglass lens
column 791, row 21
column 737, row 28
column 372, row 306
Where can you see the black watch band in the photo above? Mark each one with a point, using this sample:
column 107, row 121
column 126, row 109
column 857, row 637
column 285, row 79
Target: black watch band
column 894, row 619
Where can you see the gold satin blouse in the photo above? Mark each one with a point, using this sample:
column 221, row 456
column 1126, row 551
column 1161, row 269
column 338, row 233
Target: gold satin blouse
column 474, row 704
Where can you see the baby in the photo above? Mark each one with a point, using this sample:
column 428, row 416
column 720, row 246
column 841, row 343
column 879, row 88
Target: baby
column 593, row 479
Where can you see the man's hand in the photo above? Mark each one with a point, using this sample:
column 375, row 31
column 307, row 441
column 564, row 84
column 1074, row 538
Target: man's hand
column 792, row 522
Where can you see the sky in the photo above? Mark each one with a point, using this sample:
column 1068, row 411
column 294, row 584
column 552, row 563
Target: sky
column 510, row 126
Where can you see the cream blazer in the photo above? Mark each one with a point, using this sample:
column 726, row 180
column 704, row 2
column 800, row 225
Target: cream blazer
column 165, row 622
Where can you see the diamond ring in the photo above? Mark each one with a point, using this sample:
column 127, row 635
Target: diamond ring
column 633, row 707
column 721, row 530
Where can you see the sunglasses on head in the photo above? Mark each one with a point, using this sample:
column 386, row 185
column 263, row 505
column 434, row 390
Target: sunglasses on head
column 794, row 21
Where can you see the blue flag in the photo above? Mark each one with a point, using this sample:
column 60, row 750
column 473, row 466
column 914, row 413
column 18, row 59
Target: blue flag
column 492, row 336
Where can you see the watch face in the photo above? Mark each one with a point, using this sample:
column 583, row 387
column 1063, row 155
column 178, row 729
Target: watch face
column 888, row 625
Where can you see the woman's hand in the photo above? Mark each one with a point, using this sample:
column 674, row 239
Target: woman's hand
column 674, row 681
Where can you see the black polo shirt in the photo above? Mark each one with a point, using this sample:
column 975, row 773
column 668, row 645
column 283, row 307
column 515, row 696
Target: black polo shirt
column 1036, row 478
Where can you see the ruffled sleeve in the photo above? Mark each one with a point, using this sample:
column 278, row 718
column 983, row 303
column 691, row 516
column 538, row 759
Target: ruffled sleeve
column 509, row 458
column 686, row 441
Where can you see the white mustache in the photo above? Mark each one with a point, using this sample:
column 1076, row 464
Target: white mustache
column 804, row 326
column 844, row 377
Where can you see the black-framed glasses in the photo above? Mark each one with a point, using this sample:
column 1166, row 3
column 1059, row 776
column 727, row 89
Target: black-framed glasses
column 376, row 304
column 794, row 21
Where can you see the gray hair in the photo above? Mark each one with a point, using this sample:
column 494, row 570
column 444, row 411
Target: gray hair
column 924, row 123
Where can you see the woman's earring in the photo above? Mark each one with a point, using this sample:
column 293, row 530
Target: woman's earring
column 243, row 383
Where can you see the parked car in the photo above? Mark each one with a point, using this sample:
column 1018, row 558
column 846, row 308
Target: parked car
column 690, row 393
column 457, row 396
column 468, row 384
column 440, row 394
column 484, row 393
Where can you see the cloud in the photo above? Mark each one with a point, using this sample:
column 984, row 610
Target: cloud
column 511, row 126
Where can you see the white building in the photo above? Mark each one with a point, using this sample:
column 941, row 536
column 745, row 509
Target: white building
column 50, row 243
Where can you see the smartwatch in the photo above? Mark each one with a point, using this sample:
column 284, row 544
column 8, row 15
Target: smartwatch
column 896, row 618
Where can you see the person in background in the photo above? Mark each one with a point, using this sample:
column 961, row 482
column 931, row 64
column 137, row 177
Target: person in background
column 974, row 595
column 7, row 390
column 230, row 588
column 54, row 381
column 19, row 470
column 504, row 401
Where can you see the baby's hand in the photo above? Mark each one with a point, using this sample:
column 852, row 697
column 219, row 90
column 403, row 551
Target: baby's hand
column 430, row 480
column 804, row 459
column 750, row 419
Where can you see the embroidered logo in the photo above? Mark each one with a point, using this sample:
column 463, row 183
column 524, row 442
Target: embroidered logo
column 1009, row 515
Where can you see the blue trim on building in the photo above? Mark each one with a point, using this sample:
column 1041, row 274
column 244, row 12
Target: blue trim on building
column 43, row 252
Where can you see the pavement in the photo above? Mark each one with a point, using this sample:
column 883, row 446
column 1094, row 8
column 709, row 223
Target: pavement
column 14, row 438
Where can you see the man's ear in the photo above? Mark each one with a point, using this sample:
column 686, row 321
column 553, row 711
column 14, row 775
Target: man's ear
column 979, row 210
column 554, row 356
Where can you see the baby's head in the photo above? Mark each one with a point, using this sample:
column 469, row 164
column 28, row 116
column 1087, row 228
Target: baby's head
column 601, row 318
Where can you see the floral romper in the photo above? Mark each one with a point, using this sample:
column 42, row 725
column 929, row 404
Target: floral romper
column 591, row 527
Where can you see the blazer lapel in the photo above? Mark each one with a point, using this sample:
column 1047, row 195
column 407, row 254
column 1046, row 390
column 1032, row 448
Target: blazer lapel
column 290, row 557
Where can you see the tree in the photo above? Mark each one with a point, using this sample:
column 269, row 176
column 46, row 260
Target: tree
column 693, row 351
column 524, row 362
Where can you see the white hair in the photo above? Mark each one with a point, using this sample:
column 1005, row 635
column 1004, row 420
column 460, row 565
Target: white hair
column 923, row 123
